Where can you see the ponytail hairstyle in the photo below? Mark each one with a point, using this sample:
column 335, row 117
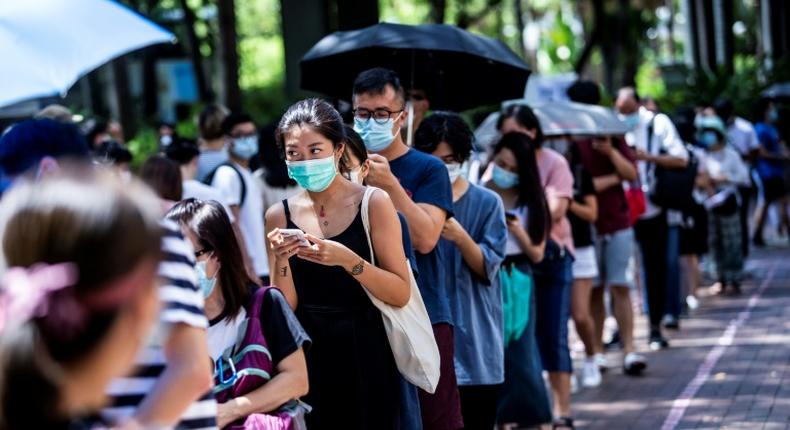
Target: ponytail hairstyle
column 530, row 189
column 67, row 239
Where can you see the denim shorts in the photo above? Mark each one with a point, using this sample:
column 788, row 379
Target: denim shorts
column 553, row 279
column 614, row 258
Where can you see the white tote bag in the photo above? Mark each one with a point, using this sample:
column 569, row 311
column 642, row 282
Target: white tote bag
column 408, row 328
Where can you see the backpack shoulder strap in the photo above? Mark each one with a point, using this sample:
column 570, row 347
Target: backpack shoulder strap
column 209, row 179
column 256, row 304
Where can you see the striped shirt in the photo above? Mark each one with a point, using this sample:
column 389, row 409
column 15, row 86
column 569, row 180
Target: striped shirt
column 182, row 303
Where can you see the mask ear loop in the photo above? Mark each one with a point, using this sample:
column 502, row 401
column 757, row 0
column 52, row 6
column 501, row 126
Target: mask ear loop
column 410, row 127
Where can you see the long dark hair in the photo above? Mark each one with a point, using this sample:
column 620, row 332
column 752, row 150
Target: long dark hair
column 163, row 176
column 316, row 113
column 530, row 188
column 526, row 118
column 445, row 127
column 105, row 229
column 209, row 222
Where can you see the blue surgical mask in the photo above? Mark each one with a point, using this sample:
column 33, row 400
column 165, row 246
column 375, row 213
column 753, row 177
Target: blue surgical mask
column 504, row 179
column 708, row 139
column 313, row 175
column 377, row 137
column 205, row 283
column 245, row 147
column 631, row 121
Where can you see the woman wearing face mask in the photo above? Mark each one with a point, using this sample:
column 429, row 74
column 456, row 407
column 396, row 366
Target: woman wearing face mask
column 353, row 377
column 553, row 275
column 725, row 172
column 473, row 248
column 523, row 399
column 233, row 301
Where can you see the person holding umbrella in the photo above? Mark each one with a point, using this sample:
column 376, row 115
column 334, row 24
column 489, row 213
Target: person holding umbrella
column 420, row 189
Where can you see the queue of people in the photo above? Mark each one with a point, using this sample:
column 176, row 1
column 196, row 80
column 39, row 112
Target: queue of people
column 268, row 310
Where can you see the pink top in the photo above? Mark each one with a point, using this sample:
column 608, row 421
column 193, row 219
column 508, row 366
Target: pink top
column 557, row 180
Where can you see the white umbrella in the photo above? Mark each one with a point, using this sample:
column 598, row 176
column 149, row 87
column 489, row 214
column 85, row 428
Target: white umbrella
column 47, row 45
column 560, row 118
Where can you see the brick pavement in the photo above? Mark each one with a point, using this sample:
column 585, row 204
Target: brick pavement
column 747, row 388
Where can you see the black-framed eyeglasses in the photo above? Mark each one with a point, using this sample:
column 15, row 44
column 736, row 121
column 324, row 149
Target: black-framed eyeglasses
column 381, row 115
column 202, row 252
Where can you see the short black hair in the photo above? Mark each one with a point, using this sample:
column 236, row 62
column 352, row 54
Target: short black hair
column 724, row 108
column 445, row 127
column 586, row 92
column 233, row 120
column 182, row 151
column 375, row 81
column 114, row 152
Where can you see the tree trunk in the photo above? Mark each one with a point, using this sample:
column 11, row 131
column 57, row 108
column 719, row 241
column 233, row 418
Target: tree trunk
column 303, row 24
column 226, row 14
column 594, row 38
column 123, row 97
column 356, row 14
column 438, row 8
column 519, row 12
column 204, row 92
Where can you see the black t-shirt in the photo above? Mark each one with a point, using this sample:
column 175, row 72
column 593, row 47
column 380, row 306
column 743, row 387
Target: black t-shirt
column 582, row 187
column 282, row 331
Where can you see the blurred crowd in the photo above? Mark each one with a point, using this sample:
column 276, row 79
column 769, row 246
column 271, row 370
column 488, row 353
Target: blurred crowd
column 325, row 274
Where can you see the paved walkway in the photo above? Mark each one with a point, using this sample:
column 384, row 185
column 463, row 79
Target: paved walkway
column 728, row 366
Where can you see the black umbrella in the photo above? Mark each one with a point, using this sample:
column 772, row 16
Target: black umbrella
column 458, row 70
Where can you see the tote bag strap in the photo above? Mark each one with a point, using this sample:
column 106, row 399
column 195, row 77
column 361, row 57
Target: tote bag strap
column 365, row 211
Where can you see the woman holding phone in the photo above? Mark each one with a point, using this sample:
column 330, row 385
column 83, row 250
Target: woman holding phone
column 523, row 399
column 352, row 374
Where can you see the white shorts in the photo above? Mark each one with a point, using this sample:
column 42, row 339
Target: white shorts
column 585, row 265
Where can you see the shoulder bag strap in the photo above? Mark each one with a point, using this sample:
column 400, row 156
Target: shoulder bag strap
column 365, row 212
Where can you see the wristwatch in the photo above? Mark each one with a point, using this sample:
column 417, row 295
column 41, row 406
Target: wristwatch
column 358, row 268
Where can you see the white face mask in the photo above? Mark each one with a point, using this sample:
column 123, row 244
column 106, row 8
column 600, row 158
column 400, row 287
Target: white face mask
column 355, row 176
column 454, row 171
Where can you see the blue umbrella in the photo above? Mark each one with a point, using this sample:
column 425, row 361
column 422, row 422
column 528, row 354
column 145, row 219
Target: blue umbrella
column 48, row 44
column 458, row 70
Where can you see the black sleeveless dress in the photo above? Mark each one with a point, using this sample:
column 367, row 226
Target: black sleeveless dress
column 353, row 377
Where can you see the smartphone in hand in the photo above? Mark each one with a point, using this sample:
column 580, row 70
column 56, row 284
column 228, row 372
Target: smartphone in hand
column 288, row 232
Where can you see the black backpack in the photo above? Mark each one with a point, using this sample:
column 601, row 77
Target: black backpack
column 209, row 179
column 673, row 187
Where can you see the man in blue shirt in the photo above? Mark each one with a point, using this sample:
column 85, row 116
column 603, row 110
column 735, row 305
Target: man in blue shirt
column 419, row 187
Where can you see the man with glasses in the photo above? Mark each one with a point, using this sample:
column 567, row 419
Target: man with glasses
column 420, row 188
column 241, row 192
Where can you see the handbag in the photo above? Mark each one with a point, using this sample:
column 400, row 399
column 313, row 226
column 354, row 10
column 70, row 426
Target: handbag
column 247, row 366
column 673, row 188
column 409, row 328
column 516, row 297
column 637, row 204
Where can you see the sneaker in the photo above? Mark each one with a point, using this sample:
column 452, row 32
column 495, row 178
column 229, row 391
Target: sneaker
column 614, row 342
column 634, row 364
column 658, row 342
column 601, row 362
column 692, row 303
column 591, row 375
column 670, row 322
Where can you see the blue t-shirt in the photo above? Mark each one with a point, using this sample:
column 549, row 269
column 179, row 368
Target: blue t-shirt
column 425, row 180
column 476, row 302
column 769, row 139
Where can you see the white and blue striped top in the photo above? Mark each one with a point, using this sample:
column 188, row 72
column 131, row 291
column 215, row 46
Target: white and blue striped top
column 182, row 303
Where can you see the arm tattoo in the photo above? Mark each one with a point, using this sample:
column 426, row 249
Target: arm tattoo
column 284, row 271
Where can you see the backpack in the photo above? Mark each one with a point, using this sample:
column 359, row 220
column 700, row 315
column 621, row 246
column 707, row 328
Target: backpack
column 673, row 187
column 209, row 179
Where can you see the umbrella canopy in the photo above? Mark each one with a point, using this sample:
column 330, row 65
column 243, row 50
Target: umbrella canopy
column 458, row 70
column 560, row 118
column 778, row 91
column 48, row 44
